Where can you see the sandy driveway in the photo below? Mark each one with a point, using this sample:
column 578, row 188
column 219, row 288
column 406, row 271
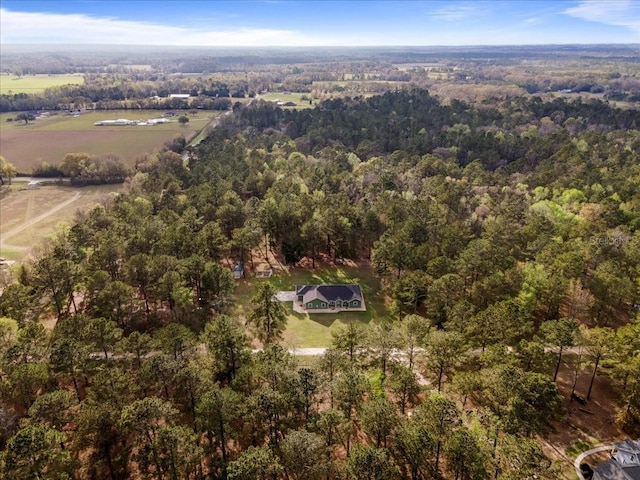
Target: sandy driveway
column 286, row 296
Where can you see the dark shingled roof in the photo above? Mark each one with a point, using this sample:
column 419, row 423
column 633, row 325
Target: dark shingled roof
column 624, row 464
column 329, row 293
column 611, row 470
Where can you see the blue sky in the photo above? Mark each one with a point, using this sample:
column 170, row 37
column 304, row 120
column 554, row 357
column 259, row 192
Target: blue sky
column 320, row 22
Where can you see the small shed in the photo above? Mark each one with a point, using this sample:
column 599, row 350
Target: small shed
column 238, row 270
column 264, row 273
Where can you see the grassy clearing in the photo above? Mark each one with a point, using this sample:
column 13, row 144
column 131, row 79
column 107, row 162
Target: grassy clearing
column 27, row 216
column 9, row 254
column 50, row 139
column 578, row 447
column 314, row 330
column 36, row 83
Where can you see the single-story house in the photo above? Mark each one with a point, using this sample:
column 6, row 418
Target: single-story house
column 624, row 463
column 329, row 298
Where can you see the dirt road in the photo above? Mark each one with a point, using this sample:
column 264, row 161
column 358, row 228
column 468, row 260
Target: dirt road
column 33, row 221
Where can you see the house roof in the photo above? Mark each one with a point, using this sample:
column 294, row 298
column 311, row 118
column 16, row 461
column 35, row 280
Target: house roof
column 630, row 446
column 624, row 464
column 329, row 293
column 611, row 470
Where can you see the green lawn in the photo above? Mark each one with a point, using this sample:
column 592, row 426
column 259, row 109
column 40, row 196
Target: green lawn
column 14, row 255
column 36, row 83
column 578, row 447
column 314, row 330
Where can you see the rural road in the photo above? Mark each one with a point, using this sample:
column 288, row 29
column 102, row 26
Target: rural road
column 316, row 352
column 39, row 218
column 584, row 455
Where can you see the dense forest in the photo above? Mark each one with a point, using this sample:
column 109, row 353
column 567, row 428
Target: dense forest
column 506, row 234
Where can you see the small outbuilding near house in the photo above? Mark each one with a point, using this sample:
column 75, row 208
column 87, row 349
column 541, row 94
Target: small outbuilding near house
column 238, row 270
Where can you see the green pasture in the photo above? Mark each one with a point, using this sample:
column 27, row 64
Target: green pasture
column 36, row 83
column 12, row 254
column 60, row 121
column 314, row 330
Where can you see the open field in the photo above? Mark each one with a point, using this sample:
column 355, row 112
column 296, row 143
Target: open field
column 50, row 139
column 294, row 97
column 36, row 83
column 27, row 216
column 345, row 83
column 314, row 330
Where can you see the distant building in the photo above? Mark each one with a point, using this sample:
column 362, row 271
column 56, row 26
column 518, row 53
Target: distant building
column 4, row 263
column 624, row 463
column 118, row 122
column 264, row 273
column 123, row 121
column 182, row 96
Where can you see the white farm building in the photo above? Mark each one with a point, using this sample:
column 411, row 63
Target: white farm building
column 124, row 121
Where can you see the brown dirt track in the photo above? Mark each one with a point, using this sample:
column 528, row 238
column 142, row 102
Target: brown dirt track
column 28, row 216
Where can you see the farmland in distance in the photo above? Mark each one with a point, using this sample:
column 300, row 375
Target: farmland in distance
column 12, row 84
column 50, row 139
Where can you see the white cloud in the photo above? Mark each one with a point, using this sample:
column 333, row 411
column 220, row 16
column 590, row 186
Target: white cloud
column 532, row 21
column 621, row 13
column 22, row 27
column 454, row 13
